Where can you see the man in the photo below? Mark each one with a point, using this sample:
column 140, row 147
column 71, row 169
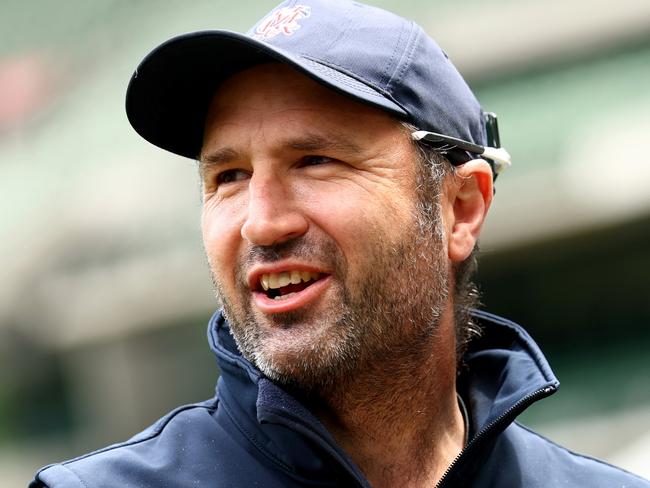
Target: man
column 343, row 196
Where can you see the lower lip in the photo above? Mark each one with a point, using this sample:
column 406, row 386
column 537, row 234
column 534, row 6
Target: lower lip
column 297, row 300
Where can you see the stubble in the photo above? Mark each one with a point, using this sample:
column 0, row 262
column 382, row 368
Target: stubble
column 389, row 308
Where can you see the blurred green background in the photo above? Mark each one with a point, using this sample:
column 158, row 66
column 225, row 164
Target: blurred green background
column 104, row 292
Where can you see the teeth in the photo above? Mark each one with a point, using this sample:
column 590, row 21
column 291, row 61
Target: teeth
column 274, row 281
column 295, row 277
column 284, row 279
column 278, row 280
column 283, row 297
column 264, row 279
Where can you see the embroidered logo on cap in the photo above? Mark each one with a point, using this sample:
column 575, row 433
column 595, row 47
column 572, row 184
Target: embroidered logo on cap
column 283, row 21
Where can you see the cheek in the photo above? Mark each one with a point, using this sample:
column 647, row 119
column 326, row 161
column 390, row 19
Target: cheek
column 220, row 227
column 356, row 219
column 335, row 210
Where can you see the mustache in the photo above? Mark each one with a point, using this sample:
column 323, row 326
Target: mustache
column 326, row 252
column 323, row 250
column 297, row 247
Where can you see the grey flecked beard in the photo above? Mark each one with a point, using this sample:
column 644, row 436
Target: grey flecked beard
column 391, row 310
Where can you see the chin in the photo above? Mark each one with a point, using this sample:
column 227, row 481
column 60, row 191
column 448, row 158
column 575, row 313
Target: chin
column 305, row 356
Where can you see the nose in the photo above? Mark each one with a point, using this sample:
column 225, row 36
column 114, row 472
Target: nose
column 273, row 215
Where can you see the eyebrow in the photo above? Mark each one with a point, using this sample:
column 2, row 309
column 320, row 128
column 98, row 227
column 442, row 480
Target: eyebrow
column 317, row 142
column 218, row 157
column 307, row 143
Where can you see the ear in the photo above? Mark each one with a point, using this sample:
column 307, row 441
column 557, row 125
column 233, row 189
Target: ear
column 470, row 197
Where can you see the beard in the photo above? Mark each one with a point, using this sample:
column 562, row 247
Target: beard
column 389, row 307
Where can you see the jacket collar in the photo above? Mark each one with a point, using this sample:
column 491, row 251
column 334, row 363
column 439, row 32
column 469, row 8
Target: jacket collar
column 282, row 429
column 503, row 373
column 502, row 369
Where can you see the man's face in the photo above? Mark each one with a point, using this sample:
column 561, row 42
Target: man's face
column 311, row 229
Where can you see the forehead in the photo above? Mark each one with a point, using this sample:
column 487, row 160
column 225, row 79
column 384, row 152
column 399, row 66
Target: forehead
column 277, row 99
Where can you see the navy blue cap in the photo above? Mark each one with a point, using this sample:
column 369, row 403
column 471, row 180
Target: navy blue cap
column 364, row 52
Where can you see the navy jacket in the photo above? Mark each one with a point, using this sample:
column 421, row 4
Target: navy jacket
column 253, row 433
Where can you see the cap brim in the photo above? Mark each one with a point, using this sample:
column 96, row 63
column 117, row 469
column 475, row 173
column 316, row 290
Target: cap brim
column 169, row 93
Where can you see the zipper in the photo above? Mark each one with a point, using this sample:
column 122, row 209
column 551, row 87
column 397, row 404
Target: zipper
column 520, row 405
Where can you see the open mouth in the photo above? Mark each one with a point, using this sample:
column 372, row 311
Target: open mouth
column 280, row 286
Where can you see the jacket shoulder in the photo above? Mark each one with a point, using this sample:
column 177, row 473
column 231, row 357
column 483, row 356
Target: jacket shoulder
column 522, row 457
column 194, row 445
column 175, row 438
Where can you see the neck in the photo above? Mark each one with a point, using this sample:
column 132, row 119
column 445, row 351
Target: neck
column 400, row 420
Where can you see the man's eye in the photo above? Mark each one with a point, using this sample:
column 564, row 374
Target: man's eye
column 316, row 160
column 230, row 176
